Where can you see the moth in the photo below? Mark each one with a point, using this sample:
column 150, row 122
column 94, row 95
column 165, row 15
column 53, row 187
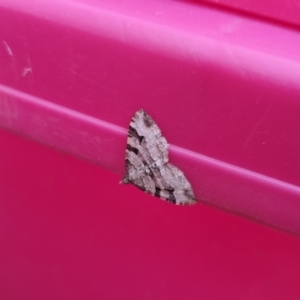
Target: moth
column 147, row 163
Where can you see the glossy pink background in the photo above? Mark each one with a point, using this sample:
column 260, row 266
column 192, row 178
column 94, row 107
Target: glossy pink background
column 69, row 231
column 224, row 88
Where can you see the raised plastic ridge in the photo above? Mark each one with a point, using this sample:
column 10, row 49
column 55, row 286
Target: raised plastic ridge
column 224, row 89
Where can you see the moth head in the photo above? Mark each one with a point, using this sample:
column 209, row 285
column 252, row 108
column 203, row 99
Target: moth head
column 125, row 180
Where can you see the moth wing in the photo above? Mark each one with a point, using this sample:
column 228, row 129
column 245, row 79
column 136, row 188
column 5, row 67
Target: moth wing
column 146, row 141
column 176, row 188
column 167, row 183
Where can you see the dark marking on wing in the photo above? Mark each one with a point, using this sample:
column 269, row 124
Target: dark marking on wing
column 133, row 133
column 127, row 163
column 171, row 197
column 148, row 120
column 132, row 149
column 157, row 191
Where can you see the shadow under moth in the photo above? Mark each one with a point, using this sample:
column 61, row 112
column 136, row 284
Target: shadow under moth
column 147, row 163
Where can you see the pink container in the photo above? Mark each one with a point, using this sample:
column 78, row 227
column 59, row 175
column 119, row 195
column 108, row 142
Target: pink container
column 224, row 88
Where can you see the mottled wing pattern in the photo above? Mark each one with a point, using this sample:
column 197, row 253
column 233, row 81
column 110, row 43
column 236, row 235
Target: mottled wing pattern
column 145, row 140
column 147, row 164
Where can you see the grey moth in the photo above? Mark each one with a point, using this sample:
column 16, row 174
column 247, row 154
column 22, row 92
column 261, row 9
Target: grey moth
column 147, row 163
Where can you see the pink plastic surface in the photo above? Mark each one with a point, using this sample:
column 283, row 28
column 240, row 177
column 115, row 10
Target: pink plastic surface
column 223, row 87
column 273, row 11
column 67, row 235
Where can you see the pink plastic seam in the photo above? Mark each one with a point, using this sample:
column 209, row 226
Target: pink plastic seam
column 269, row 200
